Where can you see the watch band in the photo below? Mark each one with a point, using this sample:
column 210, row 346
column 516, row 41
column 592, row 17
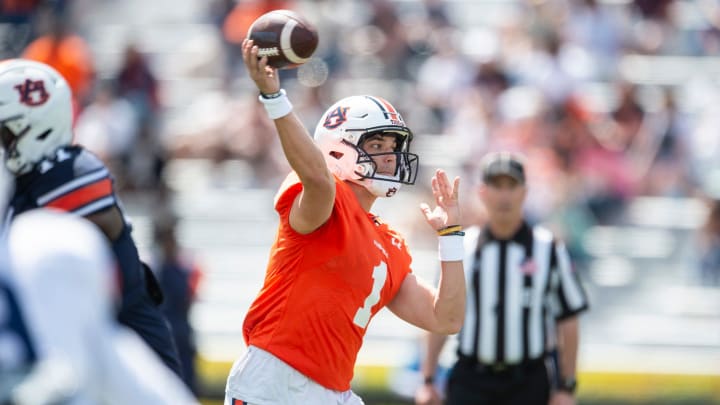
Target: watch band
column 568, row 385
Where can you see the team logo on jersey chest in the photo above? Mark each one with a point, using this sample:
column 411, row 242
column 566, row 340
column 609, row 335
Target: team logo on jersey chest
column 32, row 92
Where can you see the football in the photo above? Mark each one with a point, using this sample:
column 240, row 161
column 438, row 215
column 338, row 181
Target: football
column 286, row 38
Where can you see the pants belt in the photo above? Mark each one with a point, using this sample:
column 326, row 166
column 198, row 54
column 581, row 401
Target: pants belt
column 500, row 368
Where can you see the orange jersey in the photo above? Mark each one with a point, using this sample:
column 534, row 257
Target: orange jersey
column 322, row 289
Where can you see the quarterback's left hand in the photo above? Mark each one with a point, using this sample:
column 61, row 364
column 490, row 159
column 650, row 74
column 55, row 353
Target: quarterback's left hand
column 562, row 398
column 447, row 210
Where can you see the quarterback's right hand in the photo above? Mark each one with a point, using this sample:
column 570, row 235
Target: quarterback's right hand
column 265, row 77
column 427, row 394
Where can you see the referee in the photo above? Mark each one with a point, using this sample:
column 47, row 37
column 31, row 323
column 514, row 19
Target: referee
column 519, row 341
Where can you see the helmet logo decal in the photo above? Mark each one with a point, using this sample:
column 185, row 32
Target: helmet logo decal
column 32, row 92
column 391, row 192
column 336, row 118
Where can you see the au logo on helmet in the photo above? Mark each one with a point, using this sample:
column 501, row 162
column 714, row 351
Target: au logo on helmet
column 32, row 92
column 336, row 118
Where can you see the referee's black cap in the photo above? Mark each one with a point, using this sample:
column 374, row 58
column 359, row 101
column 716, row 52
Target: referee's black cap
column 509, row 164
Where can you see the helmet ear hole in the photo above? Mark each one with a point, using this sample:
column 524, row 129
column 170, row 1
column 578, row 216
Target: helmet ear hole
column 43, row 135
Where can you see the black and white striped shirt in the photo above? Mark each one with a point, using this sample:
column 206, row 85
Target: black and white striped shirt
column 516, row 290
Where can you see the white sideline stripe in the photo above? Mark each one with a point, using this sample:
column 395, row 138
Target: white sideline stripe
column 80, row 181
column 97, row 205
column 285, row 44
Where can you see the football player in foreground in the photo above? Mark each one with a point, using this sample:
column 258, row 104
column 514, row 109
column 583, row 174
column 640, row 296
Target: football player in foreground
column 61, row 341
column 334, row 264
column 67, row 293
column 36, row 136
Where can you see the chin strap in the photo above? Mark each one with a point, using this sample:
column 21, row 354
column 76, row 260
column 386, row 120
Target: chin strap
column 381, row 188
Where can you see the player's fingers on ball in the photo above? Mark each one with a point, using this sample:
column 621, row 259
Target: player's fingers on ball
column 262, row 64
column 245, row 51
column 252, row 60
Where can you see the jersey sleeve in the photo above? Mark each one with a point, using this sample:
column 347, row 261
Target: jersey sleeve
column 569, row 296
column 81, row 185
column 286, row 195
column 288, row 192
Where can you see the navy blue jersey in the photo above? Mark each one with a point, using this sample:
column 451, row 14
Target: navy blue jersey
column 76, row 181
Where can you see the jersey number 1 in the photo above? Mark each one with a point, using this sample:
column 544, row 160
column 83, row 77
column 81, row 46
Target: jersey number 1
column 362, row 316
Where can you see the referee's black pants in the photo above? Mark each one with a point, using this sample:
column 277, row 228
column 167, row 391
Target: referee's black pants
column 471, row 383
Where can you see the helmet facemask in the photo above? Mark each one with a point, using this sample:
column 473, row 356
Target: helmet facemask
column 406, row 163
column 10, row 152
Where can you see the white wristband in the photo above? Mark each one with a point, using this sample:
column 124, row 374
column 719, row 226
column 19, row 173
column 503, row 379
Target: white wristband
column 451, row 248
column 277, row 107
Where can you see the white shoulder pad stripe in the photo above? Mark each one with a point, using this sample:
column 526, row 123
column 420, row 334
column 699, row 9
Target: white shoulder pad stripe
column 95, row 206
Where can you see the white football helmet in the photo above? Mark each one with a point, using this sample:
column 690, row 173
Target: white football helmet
column 35, row 113
column 344, row 127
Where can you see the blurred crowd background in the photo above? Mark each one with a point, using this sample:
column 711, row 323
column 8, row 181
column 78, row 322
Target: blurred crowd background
column 615, row 104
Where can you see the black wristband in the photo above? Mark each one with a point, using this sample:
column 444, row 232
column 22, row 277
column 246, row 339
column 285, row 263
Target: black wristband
column 271, row 95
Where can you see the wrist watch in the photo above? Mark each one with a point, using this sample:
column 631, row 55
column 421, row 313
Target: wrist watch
column 568, row 384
